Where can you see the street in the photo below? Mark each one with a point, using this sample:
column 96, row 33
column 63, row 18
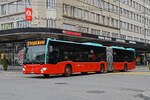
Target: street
column 108, row 86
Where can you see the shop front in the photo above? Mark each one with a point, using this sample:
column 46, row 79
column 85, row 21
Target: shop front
column 13, row 52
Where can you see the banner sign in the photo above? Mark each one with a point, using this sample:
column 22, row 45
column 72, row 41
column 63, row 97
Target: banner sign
column 28, row 14
column 20, row 57
column 73, row 33
column 105, row 38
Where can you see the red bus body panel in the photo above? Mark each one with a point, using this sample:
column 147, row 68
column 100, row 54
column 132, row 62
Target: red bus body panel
column 77, row 67
column 59, row 68
column 120, row 65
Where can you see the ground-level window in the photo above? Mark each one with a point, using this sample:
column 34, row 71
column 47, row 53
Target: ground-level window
column 51, row 4
column 69, row 27
column 7, row 26
column 51, row 23
column 23, row 24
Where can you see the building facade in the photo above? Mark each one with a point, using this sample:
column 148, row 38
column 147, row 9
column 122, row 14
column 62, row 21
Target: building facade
column 121, row 19
column 125, row 19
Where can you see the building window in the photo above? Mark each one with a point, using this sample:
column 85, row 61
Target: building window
column 72, row 11
column 112, row 22
column 103, row 4
column 103, row 19
column 117, row 23
column 66, row 9
column 69, row 27
column 98, row 18
column 95, row 31
column 23, row 24
column 129, row 38
column 11, row 8
column 123, row 37
column 86, row 15
column 69, row 10
column 86, row 1
column 83, row 29
column 20, row 6
column 79, row 13
column 92, row 17
column 108, row 34
column 97, row 3
column 51, row 23
column 7, row 26
column 3, row 10
column 107, row 6
column 104, row 33
column 108, row 21
column 136, row 39
column 28, row 3
column 92, row 2
column 115, row 35
column 51, row 4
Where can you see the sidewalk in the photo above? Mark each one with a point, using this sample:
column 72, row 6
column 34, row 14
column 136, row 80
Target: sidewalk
column 12, row 68
column 141, row 68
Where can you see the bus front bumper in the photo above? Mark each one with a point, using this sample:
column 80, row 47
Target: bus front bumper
column 34, row 70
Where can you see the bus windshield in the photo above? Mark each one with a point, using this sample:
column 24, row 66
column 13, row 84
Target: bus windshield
column 34, row 54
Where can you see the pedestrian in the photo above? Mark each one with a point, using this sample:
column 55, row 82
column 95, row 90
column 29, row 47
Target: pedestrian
column 149, row 64
column 5, row 63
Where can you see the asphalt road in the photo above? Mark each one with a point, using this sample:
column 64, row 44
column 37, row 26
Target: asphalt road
column 108, row 86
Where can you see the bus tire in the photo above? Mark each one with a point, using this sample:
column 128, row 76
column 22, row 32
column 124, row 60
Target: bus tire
column 102, row 68
column 68, row 71
column 46, row 75
column 125, row 68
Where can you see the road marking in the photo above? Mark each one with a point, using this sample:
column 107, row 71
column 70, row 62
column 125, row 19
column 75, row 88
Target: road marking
column 133, row 73
column 8, row 74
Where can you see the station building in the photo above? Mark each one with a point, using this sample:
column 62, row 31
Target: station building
column 124, row 23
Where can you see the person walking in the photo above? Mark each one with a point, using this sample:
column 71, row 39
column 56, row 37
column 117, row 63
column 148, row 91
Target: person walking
column 5, row 63
column 148, row 63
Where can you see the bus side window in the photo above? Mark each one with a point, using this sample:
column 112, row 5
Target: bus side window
column 53, row 55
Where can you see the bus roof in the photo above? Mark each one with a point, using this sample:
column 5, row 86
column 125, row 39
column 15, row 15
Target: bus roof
column 86, row 43
column 116, row 47
column 130, row 49
column 93, row 44
column 122, row 48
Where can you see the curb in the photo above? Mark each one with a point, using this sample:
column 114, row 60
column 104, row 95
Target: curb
column 146, row 95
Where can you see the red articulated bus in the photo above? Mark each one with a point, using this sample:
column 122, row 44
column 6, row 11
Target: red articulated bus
column 50, row 56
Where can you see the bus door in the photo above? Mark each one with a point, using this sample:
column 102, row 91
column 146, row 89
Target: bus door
column 109, row 55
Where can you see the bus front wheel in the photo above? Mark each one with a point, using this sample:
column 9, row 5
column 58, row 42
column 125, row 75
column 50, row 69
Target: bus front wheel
column 68, row 71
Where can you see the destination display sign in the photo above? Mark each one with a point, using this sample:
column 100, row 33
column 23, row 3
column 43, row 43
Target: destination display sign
column 34, row 43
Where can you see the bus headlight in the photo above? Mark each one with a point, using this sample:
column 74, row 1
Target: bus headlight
column 43, row 69
column 24, row 66
column 23, row 69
